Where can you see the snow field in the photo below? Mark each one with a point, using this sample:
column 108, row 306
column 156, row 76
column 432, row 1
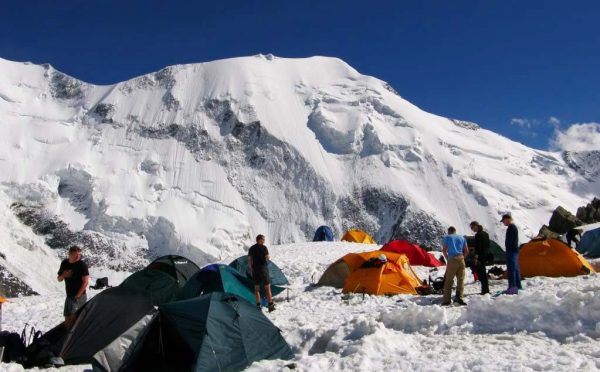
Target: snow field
column 553, row 325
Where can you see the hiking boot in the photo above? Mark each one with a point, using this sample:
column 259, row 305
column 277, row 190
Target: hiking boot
column 460, row 302
column 271, row 307
column 445, row 303
column 258, row 307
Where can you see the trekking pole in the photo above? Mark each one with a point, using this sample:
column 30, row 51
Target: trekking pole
column 160, row 341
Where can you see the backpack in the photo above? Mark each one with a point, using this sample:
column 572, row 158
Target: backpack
column 14, row 346
column 100, row 283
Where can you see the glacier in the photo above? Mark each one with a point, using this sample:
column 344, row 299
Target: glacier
column 197, row 159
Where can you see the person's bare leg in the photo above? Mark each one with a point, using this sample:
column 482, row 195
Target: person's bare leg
column 257, row 293
column 269, row 295
column 70, row 321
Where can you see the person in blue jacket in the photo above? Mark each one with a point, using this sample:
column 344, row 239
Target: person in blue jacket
column 512, row 255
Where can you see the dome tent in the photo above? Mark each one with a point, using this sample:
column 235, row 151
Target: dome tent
column 589, row 246
column 417, row 256
column 278, row 279
column 157, row 285
column 354, row 273
column 323, row 234
column 179, row 267
column 218, row 278
column 213, row 332
column 115, row 314
column 358, row 236
column 499, row 256
column 553, row 258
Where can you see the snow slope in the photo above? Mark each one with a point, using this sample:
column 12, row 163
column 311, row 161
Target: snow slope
column 197, row 159
column 553, row 325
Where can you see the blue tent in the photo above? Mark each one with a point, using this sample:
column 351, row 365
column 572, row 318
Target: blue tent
column 323, row 234
column 589, row 246
column 218, row 278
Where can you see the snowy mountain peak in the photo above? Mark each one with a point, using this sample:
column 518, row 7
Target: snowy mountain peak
column 197, row 159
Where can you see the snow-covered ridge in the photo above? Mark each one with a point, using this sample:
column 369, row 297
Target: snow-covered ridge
column 197, row 159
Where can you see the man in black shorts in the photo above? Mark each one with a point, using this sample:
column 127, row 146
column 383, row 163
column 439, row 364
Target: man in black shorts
column 76, row 276
column 258, row 263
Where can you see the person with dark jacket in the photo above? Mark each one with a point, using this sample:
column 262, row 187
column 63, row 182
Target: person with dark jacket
column 572, row 236
column 258, row 264
column 512, row 255
column 74, row 272
column 482, row 253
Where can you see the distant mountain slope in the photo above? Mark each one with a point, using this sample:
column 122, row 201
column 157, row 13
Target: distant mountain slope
column 197, row 159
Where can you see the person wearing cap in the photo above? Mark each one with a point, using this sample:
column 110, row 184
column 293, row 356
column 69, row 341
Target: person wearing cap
column 455, row 250
column 512, row 254
column 482, row 253
column 74, row 272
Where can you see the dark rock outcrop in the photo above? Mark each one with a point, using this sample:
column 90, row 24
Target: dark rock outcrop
column 11, row 286
column 563, row 221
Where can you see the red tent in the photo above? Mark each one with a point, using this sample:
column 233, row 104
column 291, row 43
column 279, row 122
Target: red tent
column 416, row 255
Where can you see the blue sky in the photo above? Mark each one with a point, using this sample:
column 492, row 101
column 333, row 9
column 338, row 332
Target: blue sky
column 520, row 68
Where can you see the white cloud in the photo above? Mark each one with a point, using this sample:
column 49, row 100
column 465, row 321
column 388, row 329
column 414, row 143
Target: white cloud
column 577, row 137
column 553, row 120
column 523, row 123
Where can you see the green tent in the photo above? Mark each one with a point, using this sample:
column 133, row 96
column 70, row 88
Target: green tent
column 214, row 332
column 218, row 278
column 225, row 333
column 179, row 267
column 278, row 279
column 157, row 285
column 495, row 250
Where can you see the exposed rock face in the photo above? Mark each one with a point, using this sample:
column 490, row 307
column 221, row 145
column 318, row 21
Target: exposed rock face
column 11, row 286
column 586, row 163
column 590, row 213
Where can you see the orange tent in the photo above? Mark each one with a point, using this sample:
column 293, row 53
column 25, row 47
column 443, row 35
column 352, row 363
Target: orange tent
column 353, row 274
column 551, row 258
column 358, row 236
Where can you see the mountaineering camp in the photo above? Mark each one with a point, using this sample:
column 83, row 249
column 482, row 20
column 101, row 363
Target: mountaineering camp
column 175, row 315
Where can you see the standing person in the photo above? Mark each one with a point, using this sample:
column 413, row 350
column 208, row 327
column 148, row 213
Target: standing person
column 455, row 250
column 482, row 253
column 258, row 263
column 512, row 255
column 74, row 272
column 572, row 236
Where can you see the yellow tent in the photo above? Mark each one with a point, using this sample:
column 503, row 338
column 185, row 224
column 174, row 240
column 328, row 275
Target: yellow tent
column 353, row 274
column 358, row 236
column 551, row 258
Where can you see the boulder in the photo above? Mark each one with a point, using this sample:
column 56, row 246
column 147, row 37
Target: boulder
column 563, row 221
column 548, row 234
column 595, row 203
column 582, row 214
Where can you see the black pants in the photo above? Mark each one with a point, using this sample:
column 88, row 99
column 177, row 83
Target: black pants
column 482, row 275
